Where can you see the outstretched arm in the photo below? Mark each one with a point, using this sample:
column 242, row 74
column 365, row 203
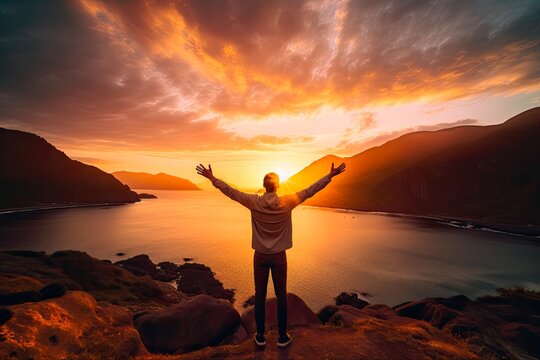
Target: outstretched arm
column 207, row 173
column 248, row 200
column 305, row 194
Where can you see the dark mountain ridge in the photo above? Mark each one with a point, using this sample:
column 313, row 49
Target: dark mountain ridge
column 484, row 173
column 161, row 181
column 34, row 173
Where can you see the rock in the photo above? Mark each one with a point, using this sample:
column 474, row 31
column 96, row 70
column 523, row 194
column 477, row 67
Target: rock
column 505, row 326
column 437, row 311
column 237, row 337
column 347, row 315
column 52, row 291
column 380, row 311
column 142, row 265
column 27, row 253
column 19, row 297
column 169, row 268
column 350, row 299
column 194, row 323
column 120, row 254
column 299, row 314
column 74, row 325
column 146, row 196
column 326, row 313
column 78, row 271
column 139, row 265
column 48, row 292
column 198, row 279
column 368, row 338
column 187, row 259
column 250, row 301
column 5, row 315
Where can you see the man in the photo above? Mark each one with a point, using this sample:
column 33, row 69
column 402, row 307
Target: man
column 271, row 235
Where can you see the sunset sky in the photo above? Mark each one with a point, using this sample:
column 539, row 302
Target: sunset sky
column 257, row 86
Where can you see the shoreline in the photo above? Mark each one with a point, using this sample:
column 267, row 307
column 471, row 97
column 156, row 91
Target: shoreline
column 527, row 231
column 17, row 210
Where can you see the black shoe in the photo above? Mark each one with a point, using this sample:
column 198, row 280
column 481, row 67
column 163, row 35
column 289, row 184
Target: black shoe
column 260, row 340
column 284, row 340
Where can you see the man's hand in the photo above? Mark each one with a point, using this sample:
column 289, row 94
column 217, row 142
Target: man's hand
column 207, row 173
column 336, row 171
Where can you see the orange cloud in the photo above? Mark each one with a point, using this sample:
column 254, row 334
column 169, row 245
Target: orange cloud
column 259, row 58
column 167, row 74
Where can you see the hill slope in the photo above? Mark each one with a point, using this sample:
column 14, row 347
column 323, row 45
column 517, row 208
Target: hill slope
column 487, row 173
column 33, row 173
column 161, row 181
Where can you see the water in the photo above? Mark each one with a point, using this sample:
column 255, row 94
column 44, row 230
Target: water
column 394, row 259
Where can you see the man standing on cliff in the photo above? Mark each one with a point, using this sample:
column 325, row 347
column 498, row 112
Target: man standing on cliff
column 271, row 235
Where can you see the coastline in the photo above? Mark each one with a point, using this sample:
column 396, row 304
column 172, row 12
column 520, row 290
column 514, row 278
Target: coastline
column 17, row 210
column 527, row 231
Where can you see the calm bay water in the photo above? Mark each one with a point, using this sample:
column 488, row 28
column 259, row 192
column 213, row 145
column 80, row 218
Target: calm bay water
column 394, row 259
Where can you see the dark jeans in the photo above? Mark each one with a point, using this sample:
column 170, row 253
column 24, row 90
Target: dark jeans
column 262, row 264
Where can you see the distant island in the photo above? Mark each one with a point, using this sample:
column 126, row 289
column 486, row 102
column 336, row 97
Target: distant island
column 488, row 174
column 33, row 173
column 161, row 181
column 146, row 196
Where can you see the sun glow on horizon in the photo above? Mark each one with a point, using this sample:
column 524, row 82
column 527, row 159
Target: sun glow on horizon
column 284, row 174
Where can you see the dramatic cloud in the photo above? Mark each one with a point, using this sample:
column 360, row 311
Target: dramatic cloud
column 265, row 57
column 165, row 74
column 351, row 147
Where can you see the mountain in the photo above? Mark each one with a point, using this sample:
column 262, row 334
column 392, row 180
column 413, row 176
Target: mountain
column 34, row 173
column 485, row 173
column 161, row 181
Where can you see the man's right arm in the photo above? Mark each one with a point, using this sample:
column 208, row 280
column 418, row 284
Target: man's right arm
column 248, row 200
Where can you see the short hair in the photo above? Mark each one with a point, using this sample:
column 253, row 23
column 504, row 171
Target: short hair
column 271, row 182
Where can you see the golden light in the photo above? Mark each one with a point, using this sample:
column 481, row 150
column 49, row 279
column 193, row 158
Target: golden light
column 284, row 174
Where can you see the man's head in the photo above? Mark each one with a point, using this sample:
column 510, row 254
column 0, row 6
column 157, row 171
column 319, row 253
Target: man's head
column 271, row 182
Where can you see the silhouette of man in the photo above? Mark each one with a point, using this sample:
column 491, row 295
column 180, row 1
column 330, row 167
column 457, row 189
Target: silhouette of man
column 271, row 235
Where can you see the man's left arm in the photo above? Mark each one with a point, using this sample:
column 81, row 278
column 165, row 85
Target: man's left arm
column 296, row 199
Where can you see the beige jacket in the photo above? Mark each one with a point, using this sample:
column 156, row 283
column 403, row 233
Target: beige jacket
column 271, row 225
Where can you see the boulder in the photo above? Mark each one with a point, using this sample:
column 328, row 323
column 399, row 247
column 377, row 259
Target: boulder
column 198, row 279
column 347, row 315
column 192, row 324
column 298, row 314
column 326, row 313
column 142, row 265
column 350, row 299
column 52, row 291
column 437, row 311
column 73, row 325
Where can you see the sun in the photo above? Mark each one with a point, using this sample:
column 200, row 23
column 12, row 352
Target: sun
column 284, row 174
